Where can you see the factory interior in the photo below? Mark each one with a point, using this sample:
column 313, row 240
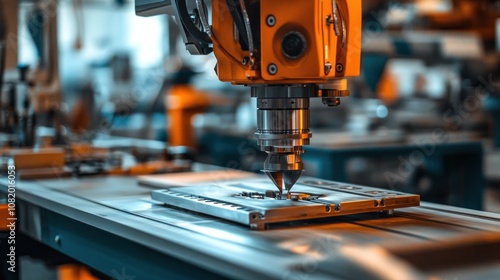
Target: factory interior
column 249, row 139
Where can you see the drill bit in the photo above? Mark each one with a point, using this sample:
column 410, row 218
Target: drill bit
column 284, row 169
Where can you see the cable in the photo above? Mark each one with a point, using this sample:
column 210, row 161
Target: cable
column 225, row 52
column 335, row 17
column 238, row 20
column 344, row 31
column 208, row 29
column 203, row 17
column 248, row 28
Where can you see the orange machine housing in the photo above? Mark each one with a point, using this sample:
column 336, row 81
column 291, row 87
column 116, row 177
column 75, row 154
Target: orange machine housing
column 311, row 19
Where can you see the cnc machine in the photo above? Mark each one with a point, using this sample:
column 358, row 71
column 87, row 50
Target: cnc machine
column 286, row 52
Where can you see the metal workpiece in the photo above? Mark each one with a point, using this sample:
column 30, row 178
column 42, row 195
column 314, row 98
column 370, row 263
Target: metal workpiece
column 252, row 201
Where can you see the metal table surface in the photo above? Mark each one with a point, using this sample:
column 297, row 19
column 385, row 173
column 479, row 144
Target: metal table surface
column 112, row 225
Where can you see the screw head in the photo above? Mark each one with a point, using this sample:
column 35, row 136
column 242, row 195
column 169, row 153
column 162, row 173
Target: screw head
column 272, row 69
column 270, row 20
column 339, row 68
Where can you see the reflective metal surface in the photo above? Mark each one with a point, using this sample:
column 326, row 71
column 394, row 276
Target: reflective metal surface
column 153, row 7
column 253, row 202
column 416, row 243
column 283, row 126
column 284, row 120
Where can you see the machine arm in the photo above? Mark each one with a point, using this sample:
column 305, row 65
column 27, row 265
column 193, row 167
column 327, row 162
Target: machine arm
column 286, row 51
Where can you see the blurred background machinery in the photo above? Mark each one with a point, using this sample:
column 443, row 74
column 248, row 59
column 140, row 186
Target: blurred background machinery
column 89, row 88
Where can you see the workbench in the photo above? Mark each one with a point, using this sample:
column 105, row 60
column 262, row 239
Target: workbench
column 112, row 225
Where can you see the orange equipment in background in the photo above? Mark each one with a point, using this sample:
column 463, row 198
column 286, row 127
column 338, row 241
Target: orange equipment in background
column 74, row 272
column 183, row 102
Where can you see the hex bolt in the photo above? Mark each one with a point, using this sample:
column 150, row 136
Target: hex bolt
column 270, row 20
column 272, row 69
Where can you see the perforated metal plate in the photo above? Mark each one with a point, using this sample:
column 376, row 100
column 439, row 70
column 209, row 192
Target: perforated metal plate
column 253, row 201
